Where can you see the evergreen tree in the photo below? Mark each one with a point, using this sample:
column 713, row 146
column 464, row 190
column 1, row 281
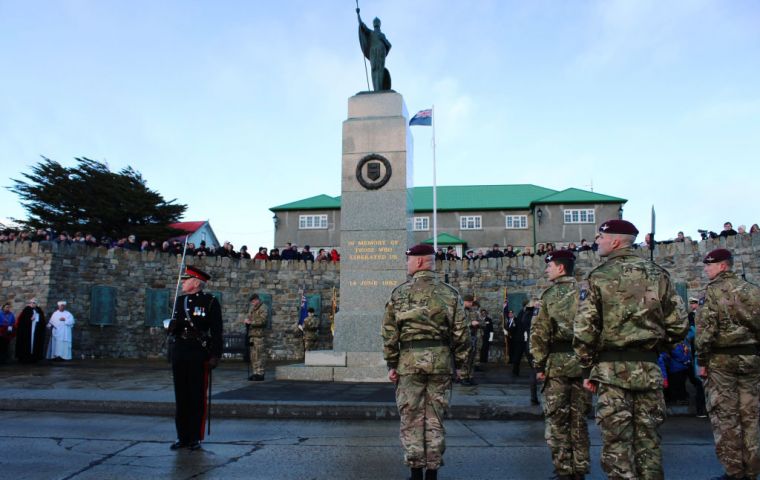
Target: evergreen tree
column 90, row 198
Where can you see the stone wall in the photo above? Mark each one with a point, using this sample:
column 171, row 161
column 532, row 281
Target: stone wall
column 51, row 272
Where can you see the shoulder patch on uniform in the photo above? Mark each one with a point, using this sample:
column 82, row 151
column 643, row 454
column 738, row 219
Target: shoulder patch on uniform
column 583, row 290
column 702, row 300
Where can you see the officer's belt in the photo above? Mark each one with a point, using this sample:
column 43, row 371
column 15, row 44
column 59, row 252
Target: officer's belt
column 737, row 350
column 414, row 344
column 561, row 347
column 628, row 356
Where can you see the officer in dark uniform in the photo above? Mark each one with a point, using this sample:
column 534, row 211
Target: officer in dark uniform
column 197, row 332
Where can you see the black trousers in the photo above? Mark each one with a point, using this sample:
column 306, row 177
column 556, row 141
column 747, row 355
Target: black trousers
column 484, row 349
column 190, row 371
column 700, row 390
column 520, row 348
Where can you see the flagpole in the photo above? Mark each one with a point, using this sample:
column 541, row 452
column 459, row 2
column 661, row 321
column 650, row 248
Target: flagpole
column 435, row 193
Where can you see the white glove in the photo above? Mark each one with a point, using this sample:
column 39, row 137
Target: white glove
column 490, row 337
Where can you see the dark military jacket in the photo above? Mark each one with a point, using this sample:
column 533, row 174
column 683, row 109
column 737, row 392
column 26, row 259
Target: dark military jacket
column 425, row 309
column 199, row 316
column 629, row 304
column 259, row 316
column 552, row 327
column 729, row 317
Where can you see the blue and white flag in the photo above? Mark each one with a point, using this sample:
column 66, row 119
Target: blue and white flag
column 304, row 309
column 423, row 117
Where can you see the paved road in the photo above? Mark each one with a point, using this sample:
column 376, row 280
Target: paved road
column 38, row 445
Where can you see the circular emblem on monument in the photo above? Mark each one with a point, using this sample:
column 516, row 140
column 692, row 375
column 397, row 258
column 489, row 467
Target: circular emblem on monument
column 373, row 171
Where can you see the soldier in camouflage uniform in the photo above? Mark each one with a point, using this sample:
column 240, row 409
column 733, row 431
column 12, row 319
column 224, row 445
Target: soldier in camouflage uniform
column 310, row 330
column 423, row 327
column 628, row 311
column 728, row 336
column 472, row 320
column 566, row 402
column 255, row 320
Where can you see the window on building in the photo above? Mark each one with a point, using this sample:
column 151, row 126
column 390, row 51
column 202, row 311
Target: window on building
column 583, row 215
column 306, row 222
column 421, row 224
column 517, row 221
column 472, row 222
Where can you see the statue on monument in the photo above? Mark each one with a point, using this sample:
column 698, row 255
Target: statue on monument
column 375, row 47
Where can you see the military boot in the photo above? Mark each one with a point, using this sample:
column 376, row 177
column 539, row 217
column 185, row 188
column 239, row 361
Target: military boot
column 431, row 474
column 416, row 474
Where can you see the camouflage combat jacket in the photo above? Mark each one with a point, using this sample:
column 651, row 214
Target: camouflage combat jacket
column 628, row 305
column 729, row 317
column 551, row 331
column 428, row 310
column 258, row 316
column 310, row 325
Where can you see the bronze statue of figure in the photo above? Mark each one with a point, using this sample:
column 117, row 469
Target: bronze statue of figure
column 375, row 47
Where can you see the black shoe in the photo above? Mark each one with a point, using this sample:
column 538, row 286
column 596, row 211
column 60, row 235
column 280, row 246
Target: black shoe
column 177, row 445
column 252, row 378
column 196, row 445
column 478, row 368
column 431, row 474
column 726, row 476
column 416, row 474
column 258, row 378
column 534, row 401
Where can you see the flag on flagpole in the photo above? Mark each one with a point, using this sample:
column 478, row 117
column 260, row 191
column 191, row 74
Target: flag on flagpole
column 423, row 117
column 333, row 309
column 304, row 309
column 505, row 310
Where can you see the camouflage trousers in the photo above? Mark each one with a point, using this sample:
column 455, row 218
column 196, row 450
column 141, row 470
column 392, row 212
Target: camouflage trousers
column 258, row 355
column 422, row 400
column 732, row 403
column 628, row 420
column 309, row 341
column 566, row 405
column 473, row 358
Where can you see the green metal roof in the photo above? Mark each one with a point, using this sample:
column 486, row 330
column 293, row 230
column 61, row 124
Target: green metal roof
column 576, row 195
column 319, row 202
column 446, row 239
column 471, row 197
column 479, row 197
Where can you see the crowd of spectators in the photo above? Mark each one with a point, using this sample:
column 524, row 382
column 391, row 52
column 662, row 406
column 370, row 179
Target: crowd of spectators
column 291, row 251
column 172, row 246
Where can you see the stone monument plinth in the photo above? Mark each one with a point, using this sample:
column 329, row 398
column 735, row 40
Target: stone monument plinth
column 376, row 208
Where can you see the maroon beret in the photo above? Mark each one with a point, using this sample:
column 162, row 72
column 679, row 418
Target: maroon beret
column 420, row 250
column 620, row 227
column 717, row 255
column 195, row 272
column 559, row 254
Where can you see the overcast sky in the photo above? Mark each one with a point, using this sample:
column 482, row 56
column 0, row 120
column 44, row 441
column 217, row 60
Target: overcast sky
column 233, row 107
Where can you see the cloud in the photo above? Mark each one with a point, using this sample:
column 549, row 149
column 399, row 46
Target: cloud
column 647, row 30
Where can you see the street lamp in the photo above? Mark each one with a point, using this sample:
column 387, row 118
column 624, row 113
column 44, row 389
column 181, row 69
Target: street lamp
column 276, row 221
column 540, row 215
column 620, row 212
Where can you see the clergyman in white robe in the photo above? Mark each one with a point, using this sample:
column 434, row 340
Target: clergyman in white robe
column 61, row 323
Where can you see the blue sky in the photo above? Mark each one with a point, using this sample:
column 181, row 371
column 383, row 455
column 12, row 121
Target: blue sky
column 233, row 107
